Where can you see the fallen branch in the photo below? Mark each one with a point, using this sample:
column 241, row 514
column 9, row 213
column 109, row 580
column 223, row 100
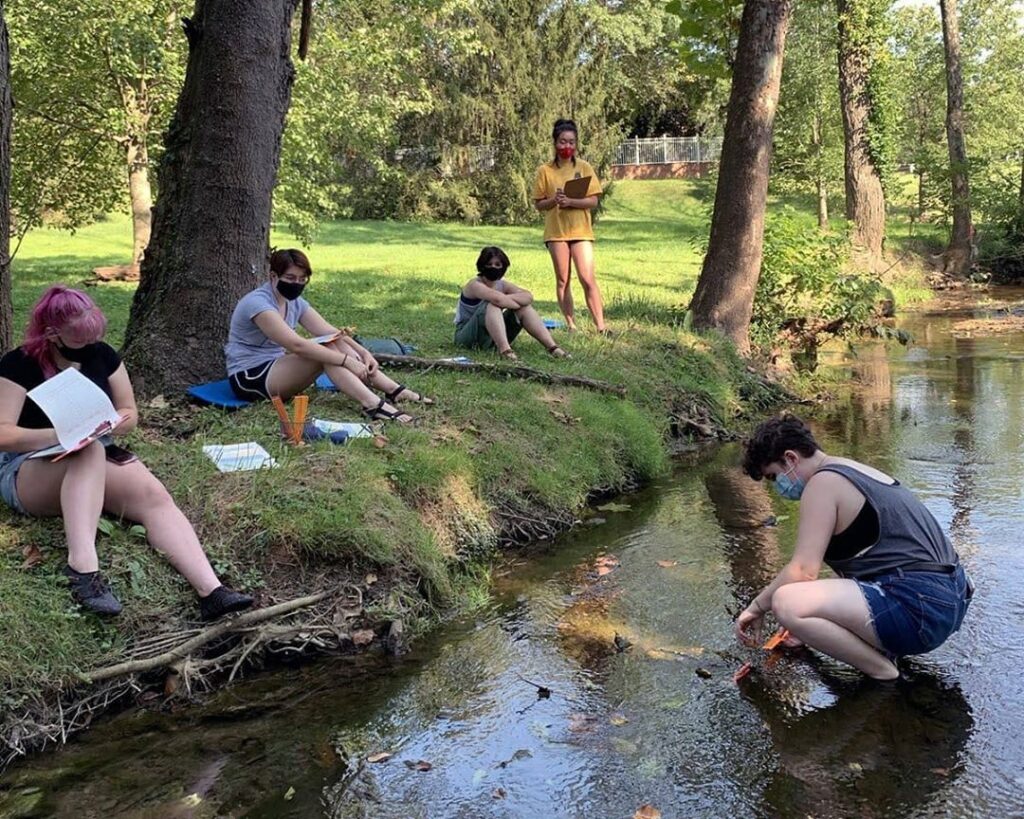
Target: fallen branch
column 502, row 371
column 201, row 639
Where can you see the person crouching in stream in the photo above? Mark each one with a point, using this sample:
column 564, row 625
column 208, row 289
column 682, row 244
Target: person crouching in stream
column 492, row 311
column 900, row 590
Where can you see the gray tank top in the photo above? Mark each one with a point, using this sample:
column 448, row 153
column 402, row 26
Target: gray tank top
column 908, row 532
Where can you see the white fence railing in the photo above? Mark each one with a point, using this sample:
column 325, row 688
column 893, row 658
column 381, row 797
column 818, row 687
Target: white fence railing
column 663, row 150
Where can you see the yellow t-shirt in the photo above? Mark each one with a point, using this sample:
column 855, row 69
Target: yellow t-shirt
column 565, row 224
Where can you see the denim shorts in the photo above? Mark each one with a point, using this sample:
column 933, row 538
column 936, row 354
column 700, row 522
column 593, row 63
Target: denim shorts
column 916, row 612
column 10, row 463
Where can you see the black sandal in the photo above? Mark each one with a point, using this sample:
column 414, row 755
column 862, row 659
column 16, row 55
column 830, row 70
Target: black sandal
column 378, row 413
column 392, row 396
column 557, row 352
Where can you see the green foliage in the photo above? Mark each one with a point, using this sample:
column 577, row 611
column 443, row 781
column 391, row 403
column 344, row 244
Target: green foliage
column 88, row 76
column 808, row 138
column 805, row 285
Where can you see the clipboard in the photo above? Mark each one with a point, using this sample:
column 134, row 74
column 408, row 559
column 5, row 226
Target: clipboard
column 577, row 188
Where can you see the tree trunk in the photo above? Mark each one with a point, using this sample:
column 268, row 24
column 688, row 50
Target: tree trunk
column 958, row 253
column 1020, row 201
column 820, row 181
column 211, row 224
column 141, row 193
column 724, row 297
column 6, row 109
column 865, row 200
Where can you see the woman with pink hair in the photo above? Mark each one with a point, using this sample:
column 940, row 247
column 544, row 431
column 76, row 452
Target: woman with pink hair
column 65, row 331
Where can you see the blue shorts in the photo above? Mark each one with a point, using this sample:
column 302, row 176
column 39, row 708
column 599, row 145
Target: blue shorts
column 10, row 463
column 916, row 612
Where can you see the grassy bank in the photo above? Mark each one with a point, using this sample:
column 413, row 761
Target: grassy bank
column 406, row 526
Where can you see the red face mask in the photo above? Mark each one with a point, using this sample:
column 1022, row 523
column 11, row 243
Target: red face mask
column 566, row 152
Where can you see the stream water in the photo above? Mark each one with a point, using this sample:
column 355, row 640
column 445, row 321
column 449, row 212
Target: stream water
column 626, row 622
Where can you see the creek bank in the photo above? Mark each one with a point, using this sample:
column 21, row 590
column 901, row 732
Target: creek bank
column 360, row 546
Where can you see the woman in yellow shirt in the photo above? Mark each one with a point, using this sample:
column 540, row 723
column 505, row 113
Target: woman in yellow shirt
column 568, row 232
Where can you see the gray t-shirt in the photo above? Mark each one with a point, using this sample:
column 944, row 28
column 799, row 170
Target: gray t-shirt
column 247, row 345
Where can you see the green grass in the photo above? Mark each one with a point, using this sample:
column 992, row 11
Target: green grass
column 421, row 510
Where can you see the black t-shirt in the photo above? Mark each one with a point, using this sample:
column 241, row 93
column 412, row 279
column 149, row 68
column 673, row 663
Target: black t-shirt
column 23, row 370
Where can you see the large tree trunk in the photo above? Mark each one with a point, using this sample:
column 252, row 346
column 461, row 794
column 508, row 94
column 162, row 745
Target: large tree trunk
column 865, row 200
column 6, row 308
column 141, row 193
column 958, row 254
column 1020, row 200
column 724, row 297
column 211, row 224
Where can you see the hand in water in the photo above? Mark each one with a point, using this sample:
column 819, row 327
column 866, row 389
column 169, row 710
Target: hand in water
column 748, row 628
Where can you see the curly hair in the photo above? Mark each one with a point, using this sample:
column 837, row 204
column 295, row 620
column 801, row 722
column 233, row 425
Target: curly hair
column 772, row 438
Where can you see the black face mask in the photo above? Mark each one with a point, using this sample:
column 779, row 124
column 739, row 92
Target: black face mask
column 77, row 355
column 290, row 290
column 492, row 274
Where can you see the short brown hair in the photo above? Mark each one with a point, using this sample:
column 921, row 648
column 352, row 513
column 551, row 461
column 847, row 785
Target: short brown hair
column 772, row 438
column 281, row 260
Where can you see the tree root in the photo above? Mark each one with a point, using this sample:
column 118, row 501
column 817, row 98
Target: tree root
column 502, row 371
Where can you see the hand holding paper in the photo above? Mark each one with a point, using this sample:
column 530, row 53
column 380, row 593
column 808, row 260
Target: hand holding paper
column 79, row 410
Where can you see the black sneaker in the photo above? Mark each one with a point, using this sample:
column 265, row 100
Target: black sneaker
column 91, row 590
column 221, row 601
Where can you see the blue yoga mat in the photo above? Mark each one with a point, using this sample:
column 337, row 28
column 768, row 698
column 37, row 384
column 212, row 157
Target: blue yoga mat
column 553, row 324
column 217, row 394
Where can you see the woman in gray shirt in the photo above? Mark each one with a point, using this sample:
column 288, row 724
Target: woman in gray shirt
column 266, row 357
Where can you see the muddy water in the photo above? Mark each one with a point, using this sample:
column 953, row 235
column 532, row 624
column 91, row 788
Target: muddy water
column 627, row 625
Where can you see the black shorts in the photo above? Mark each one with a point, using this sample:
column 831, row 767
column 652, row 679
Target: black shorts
column 251, row 384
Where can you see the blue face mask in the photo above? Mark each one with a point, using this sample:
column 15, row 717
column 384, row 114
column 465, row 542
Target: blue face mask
column 789, row 488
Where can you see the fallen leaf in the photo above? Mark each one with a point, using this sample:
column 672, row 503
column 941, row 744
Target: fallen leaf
column 498, row 793
column 742, row 672
column 522, row 753
column 370, row 579
column 363, row 637
column 603, row 570
column 33, row 557
column 159, row 402
column 543, row 693
column 647, row 812
column 289, row 794
column 668, row 564
column 418, row 765
column 171, row 682
column 581, row 723
column 380, row 441
column 615, row 507
column 382, row 756
column 618, row 719
column 703, row 673
column 941, row 771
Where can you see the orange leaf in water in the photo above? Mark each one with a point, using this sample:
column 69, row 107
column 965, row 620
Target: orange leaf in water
column 33, row 557
column 742, row 672
column 668, row 564
column 776, row 639
column 363, row 637
column 647, row 812
column 382, row 756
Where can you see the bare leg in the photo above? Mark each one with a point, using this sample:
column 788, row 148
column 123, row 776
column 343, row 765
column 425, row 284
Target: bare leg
column 560, row 258
column 72, row 488
column 534, row 325
column 833, row 617
column 291, row 374
column 494, row 320
column 135, row 493
column 583, row 257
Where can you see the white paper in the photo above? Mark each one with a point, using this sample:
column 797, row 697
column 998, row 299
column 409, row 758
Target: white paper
column 239, row 457
column 354, row 429
column 75, row 406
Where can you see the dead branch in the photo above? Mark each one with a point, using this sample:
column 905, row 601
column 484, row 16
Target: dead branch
column 201, row 639
column 500, row 371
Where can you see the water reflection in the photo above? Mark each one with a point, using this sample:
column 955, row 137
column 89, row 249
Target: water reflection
column 875, row 750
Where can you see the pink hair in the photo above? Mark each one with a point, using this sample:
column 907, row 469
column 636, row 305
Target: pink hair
column 61, row 310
